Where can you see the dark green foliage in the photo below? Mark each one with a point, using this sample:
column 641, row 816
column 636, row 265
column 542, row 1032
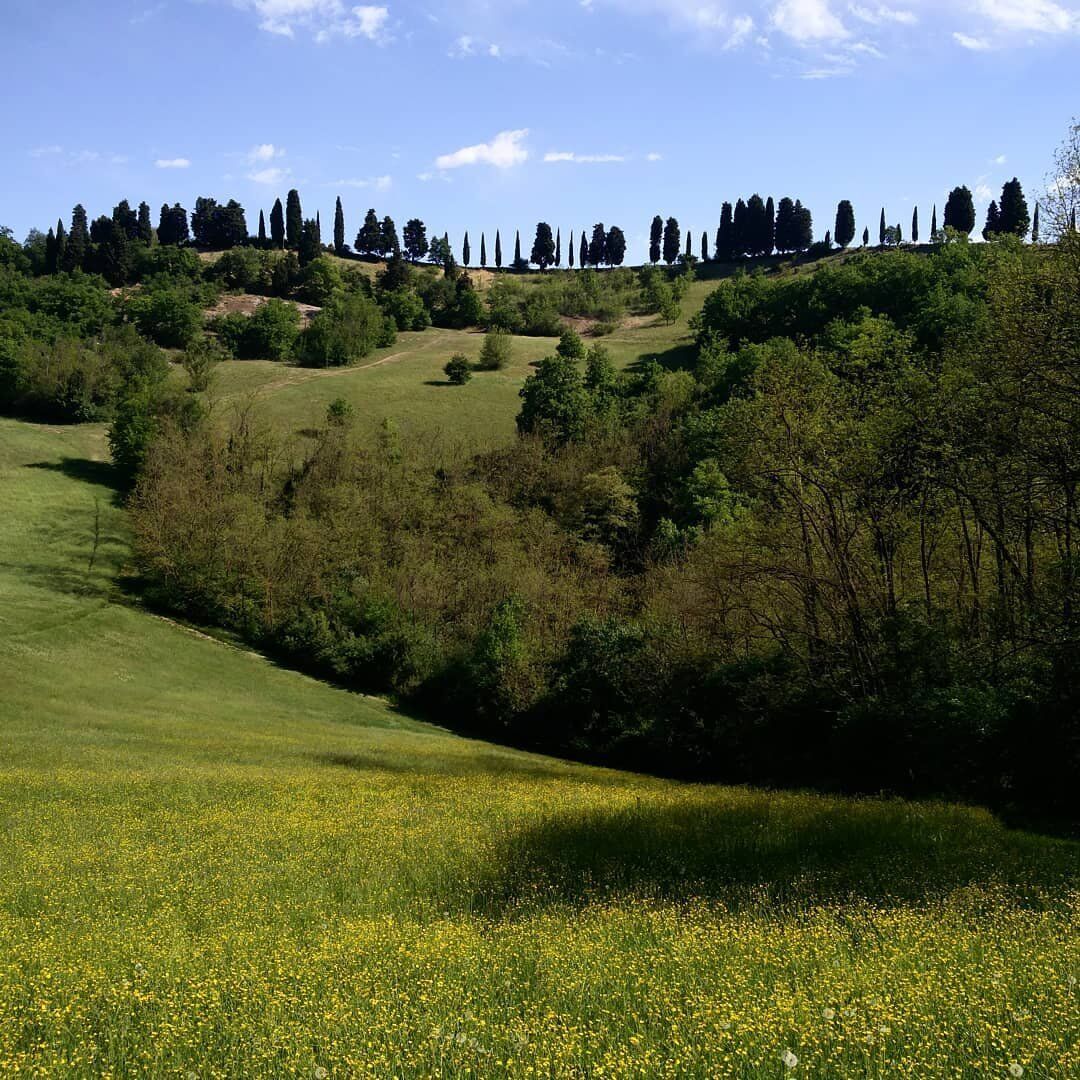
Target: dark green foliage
column 219, row 227
column 769, row 228
column 262, row 230
column 345, row 331
column 757, row 242
column 309, row 248
column 672, row 237
column 1014, row 209
column 1035, row 226
column 498, row 250
column 615, row 246
column 466, row 251
column 725, row 235
column 496, row 352
column 458, row 370
column 294, row 220
column 993, row 221
column 369, row 239
column 519, row 262
column 844, row 232
column 785, row 225
column 583, row 251
column 881, row 228
column 389, row 244
column 144, row 226
column 339, row 228
column 656, row 233
column 320, row 280
column 269, row 334
column 483, row 251
column 704, row 247
column 960, row 211
column 77, row 248
column 570, row 346
column 126, row 219
column 598, row 245
column 570, row 251
column 740, row 229
column 915, row 225
column 173, row 226
column 416, row 243
column 166, row 314
column 543, row 249
column 277, row 225
column 933, row 226
column 558, row 247
column 555, row 403
column 803, row 228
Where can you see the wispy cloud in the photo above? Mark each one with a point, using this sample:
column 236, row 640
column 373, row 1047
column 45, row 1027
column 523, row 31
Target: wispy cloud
column 378, row 183
column 808, row 21
column 583, row 159
column 272, row 175
column 264, row 152
column 502, row 152
column 173, row 163
column 975, row 44
column 76, row 157
column 325, row 19
column 880, row 15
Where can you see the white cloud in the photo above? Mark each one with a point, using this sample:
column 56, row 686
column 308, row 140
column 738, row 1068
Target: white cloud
column 976, row 44
column 173, row 163
column 1000, row 159
column 983, row 192
column 1043, row 16
column 268, row 176
column 503, row 152
column 46, row 151
column 880, row 15
column 264, row 152
column 324, row 18
column 379, row 183
column 654, row 156
column 808, row 20
column 583, row 159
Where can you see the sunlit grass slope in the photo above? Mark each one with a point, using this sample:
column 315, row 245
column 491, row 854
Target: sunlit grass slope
column 210, row 867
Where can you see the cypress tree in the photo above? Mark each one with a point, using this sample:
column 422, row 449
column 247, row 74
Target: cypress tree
column 899, row 234
column 828, row 239
column 960, row 210
column 785, row 225
column 1014, row 209
column 558, row 247
column 725, row 236
column 769, row 232
column 126, row 219
column 656, row 234
column 543, row 249
column 804, row 227
column 689, row 244
column 146, row 229
column 933, row 226
column 318, row 227
column 50, row 252
column 78, row 240
column 671, row 241
column 1035, row 226
column 583, row 252
column 570, row 251
column 598, row 245
column 339, row 227
column 755, row 225
column 615, row 246
column 483, row 252
column 277, row 225
column 61, row 244
column 294, row 219
column 309, row 242
column 866, row 236
column 517, row 249
column 388, row 238
column 915, row 225
column 498, row 250
column 993, row 221
column 739, row 229
column 882, row 228
column 704, row 247
column 370, row 235
column 262, row 229
column 466, row 253
column 1072, row 220
column 844, row 232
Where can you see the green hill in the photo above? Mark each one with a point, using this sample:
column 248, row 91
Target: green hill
column 213, row 867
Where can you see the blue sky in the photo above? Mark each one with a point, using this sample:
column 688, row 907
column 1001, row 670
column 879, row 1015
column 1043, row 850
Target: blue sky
column 485, row 114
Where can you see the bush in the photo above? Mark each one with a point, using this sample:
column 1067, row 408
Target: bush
column 407, row 309
column 271, row 332
column 319, row 281
column 166, row 315
column 199, row 360
column 458, row 370
column 496, row 352
column 344, row 332
column 570, row 346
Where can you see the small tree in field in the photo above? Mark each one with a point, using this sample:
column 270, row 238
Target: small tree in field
column 496, row 352
column 458, row 370
column 570, row 345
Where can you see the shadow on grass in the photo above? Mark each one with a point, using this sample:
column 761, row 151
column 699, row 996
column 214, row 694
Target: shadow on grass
column 473, row 761
column 100, row 473
column 678, row 358
column 773, row 851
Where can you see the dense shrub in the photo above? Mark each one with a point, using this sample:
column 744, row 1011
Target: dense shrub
column 347, row 330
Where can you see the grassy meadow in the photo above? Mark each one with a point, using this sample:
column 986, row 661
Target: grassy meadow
column 213, row 867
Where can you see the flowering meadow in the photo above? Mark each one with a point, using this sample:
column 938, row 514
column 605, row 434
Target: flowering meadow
column 211, row 867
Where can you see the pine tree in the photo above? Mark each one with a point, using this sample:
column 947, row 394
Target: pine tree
column 740, row 229
column 78, row 240
column 277, row 225
column 672, row 237
column 704, row 247
column 882, row 228
column 146, row 229
column 415, row 236
column 570, row 251
column 993, row 221
column 1035, row 226
column 785, row 225
column 844, row 232
column 656, row 233
column 558, row 247
column 370, row 235
column 466, row 253
column 725, row 236
column 1014, row 209
column 294, row 219
column 915, row 225
column 339, row 227
column 498, row 250
column 389, row 244
column 583, row 252
column 960, row 211
column 543, row 249
column 483, row 252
